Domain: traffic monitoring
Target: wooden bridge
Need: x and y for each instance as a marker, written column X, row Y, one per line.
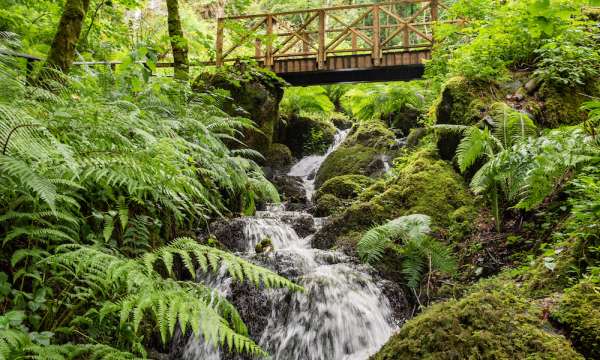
column 367, row 42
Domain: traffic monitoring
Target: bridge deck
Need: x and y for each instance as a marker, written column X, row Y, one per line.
column 372, row 42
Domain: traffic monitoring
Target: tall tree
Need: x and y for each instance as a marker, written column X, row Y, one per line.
column 62, row 52
column 179, row 44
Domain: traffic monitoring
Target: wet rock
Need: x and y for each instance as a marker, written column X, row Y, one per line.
column 365, row 143
column 279, row 157
column 531, row 86
column 291, row 189
column 230, row 233
column 341, row 121
column 302, row 223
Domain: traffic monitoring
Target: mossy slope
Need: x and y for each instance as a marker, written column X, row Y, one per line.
column 487, row 324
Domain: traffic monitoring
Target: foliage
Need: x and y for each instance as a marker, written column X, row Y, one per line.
column 508, row 127
column 380, row 101
column 499, row 37
column 310, row 100
column 421, row 253
column 569, row 59
column 107, row 168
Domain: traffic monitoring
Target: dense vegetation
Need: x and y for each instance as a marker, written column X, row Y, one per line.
column 490, row 208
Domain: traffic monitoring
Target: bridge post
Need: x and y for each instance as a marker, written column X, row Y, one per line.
column 219, row 47
column 321, row 54
column 257, row 49
column 269, row 48
column 376, row 55
column 434, row 9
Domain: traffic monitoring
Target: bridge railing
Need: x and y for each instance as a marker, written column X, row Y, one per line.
column 374, row 29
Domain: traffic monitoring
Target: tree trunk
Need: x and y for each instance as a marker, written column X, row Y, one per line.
column 179, row 44
column 62, row 52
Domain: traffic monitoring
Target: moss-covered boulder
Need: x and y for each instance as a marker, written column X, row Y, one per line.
column 557, row 107
column 345, row 186
column 423, row 184
column 278, row 156
column 328, row 205
column 252, row 92
column 306, row 135
column 579, row 314
column 337, row 193
column 459, row 104
column 361, row 153
column 492, row 323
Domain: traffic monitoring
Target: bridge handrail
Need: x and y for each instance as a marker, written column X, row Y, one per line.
column 268, row 50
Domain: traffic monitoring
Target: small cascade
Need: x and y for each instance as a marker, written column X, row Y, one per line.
column 341, row 315
column 308, row 166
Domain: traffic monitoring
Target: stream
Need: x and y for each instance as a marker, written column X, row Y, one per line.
column 342, row 315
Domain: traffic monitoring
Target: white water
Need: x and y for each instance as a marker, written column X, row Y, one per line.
column 341, row 315
column 307, row 167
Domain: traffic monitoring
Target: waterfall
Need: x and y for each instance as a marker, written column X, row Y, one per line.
column 341, row 315
column 308, row 166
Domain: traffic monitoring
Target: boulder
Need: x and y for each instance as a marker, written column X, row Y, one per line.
column 278, row 157
column 423, row 184
column 491, row 323
column 579, row 314
column 254, row 93
column 359, row 153
column 305, row 135
column 291, row 189
column 459, row 104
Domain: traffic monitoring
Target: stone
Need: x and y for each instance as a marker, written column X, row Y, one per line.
column 291, row 189
column 305, row 135
column 254, row 93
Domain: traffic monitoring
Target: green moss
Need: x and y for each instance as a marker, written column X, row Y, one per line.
column 561, row 107
column 265, row 245
column 345, row 186
column 279, row 156
column 426, row 185
column 327, row 205
column 306, row 135
column 252, row 92
column 366, row 142
column 346, row 160
column 421, row 184
column 492, row 323
column 579, row 313
column 372, row 134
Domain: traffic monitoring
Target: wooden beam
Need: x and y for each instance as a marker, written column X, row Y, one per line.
column 327, row 9
column 322, row 51
column 219, row 47
column 376, row 55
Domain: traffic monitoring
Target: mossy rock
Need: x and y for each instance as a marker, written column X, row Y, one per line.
column 345, row 186
column 279, row 156
column 341, row 121
column 347, row 160
column 306, row 135
column 360, row 154
column 579, row 314
column 336, row 193
column 486, row 324
column 562, row 106
column 374, row 134
column 254, row 93
column 327, row 205
column 424, row 184
column 459, row 104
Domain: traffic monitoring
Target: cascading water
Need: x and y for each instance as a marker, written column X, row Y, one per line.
column 341, row 315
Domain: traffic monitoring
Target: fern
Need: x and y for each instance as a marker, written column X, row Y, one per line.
column 421, row 253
